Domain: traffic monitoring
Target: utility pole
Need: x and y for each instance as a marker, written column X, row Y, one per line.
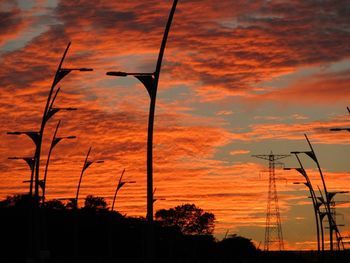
column 273, row 228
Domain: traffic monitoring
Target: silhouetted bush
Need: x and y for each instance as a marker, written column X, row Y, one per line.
column 235, row 246
column 95, row 232
column 191, row 220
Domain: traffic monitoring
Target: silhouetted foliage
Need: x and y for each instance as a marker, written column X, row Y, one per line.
column 236, row 246
column 71, row 203
column 21, row 200
column 95, row 203
column 88, row 236
column 55, row 204
column 190, row 219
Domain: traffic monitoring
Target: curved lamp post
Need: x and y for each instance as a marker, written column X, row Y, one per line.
column 332, row 225
column 49, row 110
column 150, row 81
column 120, row 185
column 31, row 162
column 315, row 203
column 54, row 142
column 86, row 165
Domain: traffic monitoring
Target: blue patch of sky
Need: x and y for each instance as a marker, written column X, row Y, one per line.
column 44, row 19
column 284, row 81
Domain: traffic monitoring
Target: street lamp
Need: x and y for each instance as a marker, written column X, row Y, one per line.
column 50, row 111
column 332, row 225
column 120, row 185
column 315, row 203
column 86, row 165
column 31, row 163
column 54, row 142
column 150, row 81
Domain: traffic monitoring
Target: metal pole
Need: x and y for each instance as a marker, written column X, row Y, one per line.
column 81, row 177
column 150, row 136
column 43, row 123
column 314, row 203
column 117, row 189
column 328, row 210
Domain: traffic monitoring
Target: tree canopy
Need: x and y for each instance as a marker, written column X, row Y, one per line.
column 191, row 220
column 95, row 203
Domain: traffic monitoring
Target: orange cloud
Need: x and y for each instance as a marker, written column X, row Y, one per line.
column 215, row 51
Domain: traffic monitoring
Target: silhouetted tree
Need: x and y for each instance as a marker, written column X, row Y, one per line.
column 95, row 203
column 71, row 203
column 18, row 200
column 55, row 204
column 188, row 218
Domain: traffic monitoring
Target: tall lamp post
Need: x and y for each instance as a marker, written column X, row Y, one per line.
column 54, row 142
column 119, row 186
column 327, row 201
column 150, row 81
column 315, row 203
column 49, row 111
column 86, row 165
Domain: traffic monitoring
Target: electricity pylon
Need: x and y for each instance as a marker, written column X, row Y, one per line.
column 273, row 228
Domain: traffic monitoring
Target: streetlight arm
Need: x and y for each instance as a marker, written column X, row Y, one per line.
column 124, row 74
column 117, row 73
column 78, row 69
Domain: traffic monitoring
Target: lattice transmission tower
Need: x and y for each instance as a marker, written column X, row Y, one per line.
column 273, row 228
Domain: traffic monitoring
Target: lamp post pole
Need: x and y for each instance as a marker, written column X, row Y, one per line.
column 86, row 165
column 150, row 81
column 110, row 232
column 315, row 203
column 119, row 186
column 49, row 111
column 312, row 155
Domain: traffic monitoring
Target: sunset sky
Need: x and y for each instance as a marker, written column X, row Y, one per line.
column 239, row 78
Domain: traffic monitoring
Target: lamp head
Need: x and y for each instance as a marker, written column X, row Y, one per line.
column 117, row 73
column 14, row 133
